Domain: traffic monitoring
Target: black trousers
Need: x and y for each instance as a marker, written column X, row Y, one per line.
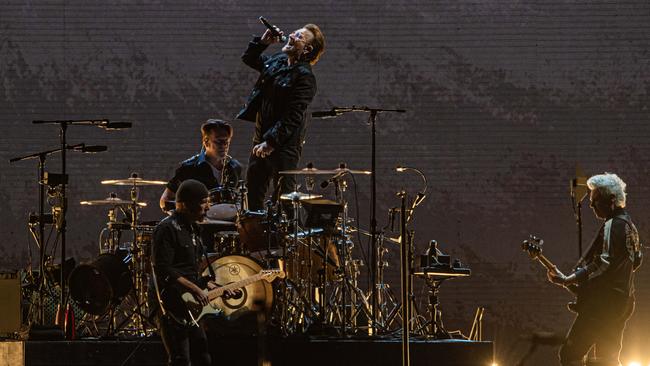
column 185, row 345
column 262, row 171
column 601, row 327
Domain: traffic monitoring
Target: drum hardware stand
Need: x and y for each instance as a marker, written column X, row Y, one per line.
column 388, row 305
column 62, row 229
column 372, row 121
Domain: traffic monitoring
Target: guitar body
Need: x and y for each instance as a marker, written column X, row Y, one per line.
column 185, row 310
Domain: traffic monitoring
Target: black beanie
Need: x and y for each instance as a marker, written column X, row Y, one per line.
column 191, row 191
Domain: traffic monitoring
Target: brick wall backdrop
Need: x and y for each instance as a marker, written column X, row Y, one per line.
column 504, row 98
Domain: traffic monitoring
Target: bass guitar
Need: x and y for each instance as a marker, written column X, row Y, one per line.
column 533, row 247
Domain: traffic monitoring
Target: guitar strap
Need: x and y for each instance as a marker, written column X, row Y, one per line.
column 197, row 234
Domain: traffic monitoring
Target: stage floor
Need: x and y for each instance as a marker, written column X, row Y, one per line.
column 303, row 351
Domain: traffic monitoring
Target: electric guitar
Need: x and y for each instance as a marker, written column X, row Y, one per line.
column 185, row 310
column 533, row 247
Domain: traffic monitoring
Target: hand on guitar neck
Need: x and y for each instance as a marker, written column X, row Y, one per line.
column 533, row 246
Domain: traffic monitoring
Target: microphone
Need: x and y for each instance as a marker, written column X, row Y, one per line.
column 274, row 30
column 325, row 114
column 343, row 170
column 88, row 149
column 419, row 198
column 110, row 126
column 93, row 148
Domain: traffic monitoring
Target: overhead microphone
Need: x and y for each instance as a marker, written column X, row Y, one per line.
column 325, row 114
column 115, row 125
column 274, row 30
column 88, row 148
column 342, row 167
column 93, row 148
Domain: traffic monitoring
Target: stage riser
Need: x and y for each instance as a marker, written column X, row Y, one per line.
column 244, row 351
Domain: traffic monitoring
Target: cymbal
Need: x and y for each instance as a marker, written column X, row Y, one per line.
column 134, row 180
column 112, row 201
column 314, row 171
column 299, row 196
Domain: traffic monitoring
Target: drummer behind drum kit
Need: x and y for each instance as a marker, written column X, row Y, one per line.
column 302, row 242
column 320, row 287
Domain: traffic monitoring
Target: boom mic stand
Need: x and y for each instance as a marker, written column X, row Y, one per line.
column 62, row 228
column 43, row 218
column 372, row 121
column 579, row 191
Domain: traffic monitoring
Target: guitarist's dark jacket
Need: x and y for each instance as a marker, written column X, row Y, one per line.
column 605, row 273
column 177, row 250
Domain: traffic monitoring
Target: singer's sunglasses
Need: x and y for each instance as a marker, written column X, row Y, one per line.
column 220, row 142
column 298, row 36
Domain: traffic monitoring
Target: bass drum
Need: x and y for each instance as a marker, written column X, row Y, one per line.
column 102, row 282
column 235, row 268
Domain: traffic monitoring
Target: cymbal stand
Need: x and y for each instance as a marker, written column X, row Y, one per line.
column 139, row 265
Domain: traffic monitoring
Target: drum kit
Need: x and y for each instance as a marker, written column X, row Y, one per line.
column 305, row 234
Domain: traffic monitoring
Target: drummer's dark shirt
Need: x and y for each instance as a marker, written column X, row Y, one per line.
column 197, row 167
column 177, row 250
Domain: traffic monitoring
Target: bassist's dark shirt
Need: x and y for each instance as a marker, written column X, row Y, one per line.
column 607, row 268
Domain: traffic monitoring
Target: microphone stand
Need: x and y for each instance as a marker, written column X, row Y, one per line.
column 405, row 279
column 576, row 204
column 40, row 241
column 62, row 227
column 372, row 121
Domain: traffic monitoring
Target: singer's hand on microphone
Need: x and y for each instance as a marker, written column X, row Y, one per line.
column 268, row 37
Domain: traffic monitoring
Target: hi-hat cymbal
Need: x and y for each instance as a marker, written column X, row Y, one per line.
column 112, row 201
column 134, row 180
column 314, row 171
column 299, row 196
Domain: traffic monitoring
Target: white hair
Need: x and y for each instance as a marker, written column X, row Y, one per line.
column 609, row 184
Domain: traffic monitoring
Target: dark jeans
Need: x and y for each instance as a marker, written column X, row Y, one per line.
column 601, row 327
column 185, row 345
column 262, row 171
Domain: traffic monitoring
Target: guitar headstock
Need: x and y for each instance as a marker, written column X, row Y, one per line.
column 271, row 274
column 533, row 246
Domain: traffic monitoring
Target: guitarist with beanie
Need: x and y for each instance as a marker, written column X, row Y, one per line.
column 604, row 278
column 177, row 250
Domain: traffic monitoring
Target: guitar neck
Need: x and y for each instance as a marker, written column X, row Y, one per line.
column 213, row 294
column 546, row 262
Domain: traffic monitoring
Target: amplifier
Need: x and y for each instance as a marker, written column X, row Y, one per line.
column 10, row 320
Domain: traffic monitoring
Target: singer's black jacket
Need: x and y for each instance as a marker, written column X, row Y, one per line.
column 278, row 102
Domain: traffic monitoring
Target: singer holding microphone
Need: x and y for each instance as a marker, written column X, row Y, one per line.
column 277, row 105
column 212, row 166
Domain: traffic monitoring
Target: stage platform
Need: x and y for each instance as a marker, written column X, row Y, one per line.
column 244, row 351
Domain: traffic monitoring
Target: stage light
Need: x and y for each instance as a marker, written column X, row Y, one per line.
column 634, row 364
